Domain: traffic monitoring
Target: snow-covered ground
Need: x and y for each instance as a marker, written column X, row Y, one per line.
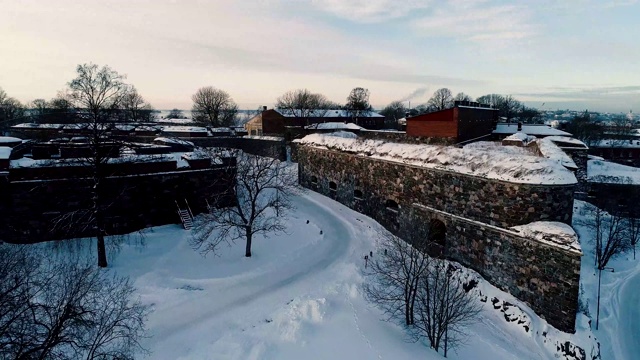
column 602, row 171
column 299, row 297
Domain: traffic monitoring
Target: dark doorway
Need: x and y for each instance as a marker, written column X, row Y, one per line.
column 437, row 238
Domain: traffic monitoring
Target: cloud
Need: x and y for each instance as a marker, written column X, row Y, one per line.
column 477, row 21
column 371, row 11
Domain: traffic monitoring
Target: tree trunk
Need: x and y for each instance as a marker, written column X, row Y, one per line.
column 102, row 252
column 247, row 251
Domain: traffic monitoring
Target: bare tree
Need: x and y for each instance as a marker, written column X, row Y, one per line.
column 213, row 107
column 441, row 99
column 495, row 100
column 609, row 236
column 394, row 275
column 462, row 97
column 585, row 129
column 135, row 107
column 11, row 110
column 394, row 111
column 262, row 196
column 358, row 104
column 39, row 109
column 97, row 92
column 65, row 310
column 444, row 308
column 509, row 108
column 632, row 225
column 175, row 114
column 302, row 103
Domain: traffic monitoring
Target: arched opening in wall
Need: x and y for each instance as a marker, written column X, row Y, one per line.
column 437, row 238
column 357, row 194
column 333, row 187
column 392, row 205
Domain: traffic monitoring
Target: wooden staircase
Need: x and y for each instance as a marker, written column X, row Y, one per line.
column 186, row 216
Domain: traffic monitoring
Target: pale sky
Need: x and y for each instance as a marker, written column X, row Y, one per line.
column 579, row 54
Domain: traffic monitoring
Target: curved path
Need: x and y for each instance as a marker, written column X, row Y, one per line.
column 250, row 297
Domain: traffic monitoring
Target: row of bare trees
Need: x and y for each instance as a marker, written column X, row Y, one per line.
column 62, row 309
column 424, row 292
column 303, row 103
column 508, row 107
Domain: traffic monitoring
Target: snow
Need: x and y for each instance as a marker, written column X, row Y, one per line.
column 184, row 129
column 5, row 152
column 329, row 113
column 529, row 129
column 344, row 134
column 550, row 231
column 38, row 126
column 520, row 136
column 567, row 140
column 491, row 164
column 601, row 171
column 619, row 312
column 612, row 143
column 334, row 126
column 9, row 139
column 551, row 151
column 299, row 297
column 167, row 140
column 262, row 137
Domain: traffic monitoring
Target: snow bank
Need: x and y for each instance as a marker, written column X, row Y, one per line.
column 167, row 140
column 553, row 232
column 551, row 151
column 496, row 165
column 520, row 136
column 5, row 152
column 567, row 140
column 344, row 134
column 9, row 139
column 260, row 137
column 334, row 126
column 600, row 171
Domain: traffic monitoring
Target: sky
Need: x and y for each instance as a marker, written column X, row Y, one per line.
column 577, row 54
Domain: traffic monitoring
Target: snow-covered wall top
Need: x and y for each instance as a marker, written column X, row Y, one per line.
column 495, row 165
column 551, row 151
column 550, row 232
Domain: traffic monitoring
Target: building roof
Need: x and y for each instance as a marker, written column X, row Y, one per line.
column 333, row 126
column 529, row 129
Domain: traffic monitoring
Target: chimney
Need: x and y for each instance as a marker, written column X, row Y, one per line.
column 264, row 108
column 519, row 125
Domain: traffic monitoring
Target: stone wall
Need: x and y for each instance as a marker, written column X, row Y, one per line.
column 492, row 202
column 37, row 210
column 544, row 276
column 475, row 211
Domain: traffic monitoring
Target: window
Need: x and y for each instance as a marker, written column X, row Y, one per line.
column 333, row 186
column 314, row 180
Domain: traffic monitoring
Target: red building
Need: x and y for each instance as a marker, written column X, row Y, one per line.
column 465, row 121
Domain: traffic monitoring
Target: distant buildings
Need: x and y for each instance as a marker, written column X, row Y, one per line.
column 280, row 122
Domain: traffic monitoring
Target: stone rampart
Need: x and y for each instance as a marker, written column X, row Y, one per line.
column 476, row 212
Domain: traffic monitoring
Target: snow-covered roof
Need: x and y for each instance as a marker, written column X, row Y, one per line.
column 221, row 129
column 147, row 128
column 330, row 113
column 551, row 151
column 520, row 136
column 489, row 164
column 261, row 137
column 567, row 140
column 184, row 129
column 38, row 126
column 601, row 171
column 553, row 232
column 529, row 129
column 5, row 152
column 167, row 140
column 334, row 126
column 125, row 127
column 9, row 139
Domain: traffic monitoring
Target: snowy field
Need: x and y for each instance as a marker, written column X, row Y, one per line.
column 299, row 297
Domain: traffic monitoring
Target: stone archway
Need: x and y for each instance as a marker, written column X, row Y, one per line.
column 437, row 238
